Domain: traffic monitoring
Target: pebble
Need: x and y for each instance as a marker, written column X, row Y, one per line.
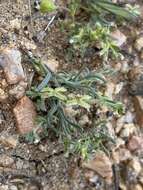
column 118, row 87
column 129, row 117
column 100, row 164
column 4, row 83
column 94, row 179
column 4, row 187
column 110, row 87
column 128, row 129
column 123, row 186
column 84, row 120
column 19, row 90
column 10, row 61
column 70, row 111
column 135, row 143
column 139, row 43
column 52, row 63
column 137, row 187
column 15, row 24
column 119, row 142
column 6, row 161
column 25, row 115
column 119, row 37
column 3, row 95
column 13, row 187
column 120, row 124
column 29, row 45
column 121, row 155
column 9, row 141
column 135, row 165
column 125, row 67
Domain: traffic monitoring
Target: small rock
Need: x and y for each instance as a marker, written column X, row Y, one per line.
column 70, row 111
column 110, row 87
column 117, row 66
column 135, row 76
column 6, row 161
column 15, row 24
column 121, row 155
column 42, row 148
column 137, row 187
column 53, row 64
column 118, row 87
column 127, row 130
column 19, row 90
column 84, row 120
column 135, row 73
column 119, row 142
column 139, row 43
column 138, row 104
column 9, row 141
column 89, row 174
column 130, row 174
column 3, row 95
column 129, row 117
column 125, row 67
column 111, row 130
column 29, row 45
column 102, row 165
column 4, row 187
column 136, row 61
column 135, row 165
column 25, row 115
column 10, row 61
column 118, row 37
column 13, row 187
column 120, row 124
column 123, row 186
column 94, row 179
column 34, row 187
column 4, row 83
column 135, row 143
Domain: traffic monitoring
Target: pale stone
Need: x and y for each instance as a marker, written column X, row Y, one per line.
column 118, row 37
column 10, row 61
column 102, row 165
column 139, row 43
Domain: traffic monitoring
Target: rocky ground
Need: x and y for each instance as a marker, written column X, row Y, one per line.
column 44, row 166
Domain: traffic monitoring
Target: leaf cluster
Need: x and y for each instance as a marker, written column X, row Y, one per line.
column 92, row 22
column 76, row 90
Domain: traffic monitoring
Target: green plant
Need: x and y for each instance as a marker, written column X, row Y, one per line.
column 89, row 141
column 91, row 37
column 97, row 10
column 133, row 9
column 91, row 24
column 47, row 6
column 77, row 90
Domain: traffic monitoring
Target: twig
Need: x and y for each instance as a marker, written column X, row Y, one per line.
column 50, row 22
column 42, row 34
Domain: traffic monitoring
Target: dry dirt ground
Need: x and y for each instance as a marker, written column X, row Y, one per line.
column 44, row 166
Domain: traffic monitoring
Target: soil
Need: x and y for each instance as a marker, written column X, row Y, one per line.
column 44, row 166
